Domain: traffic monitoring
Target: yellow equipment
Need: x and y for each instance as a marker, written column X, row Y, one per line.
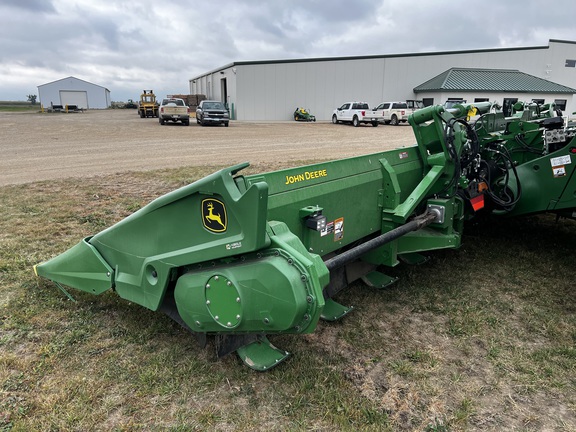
column 148, row 106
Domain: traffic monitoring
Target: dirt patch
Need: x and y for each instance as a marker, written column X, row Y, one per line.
column 52, row 146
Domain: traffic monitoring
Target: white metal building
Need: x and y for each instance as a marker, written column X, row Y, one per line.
column 272, row 90
column 74, row 91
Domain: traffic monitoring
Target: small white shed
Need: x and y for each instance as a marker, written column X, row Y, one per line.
column 74, row 91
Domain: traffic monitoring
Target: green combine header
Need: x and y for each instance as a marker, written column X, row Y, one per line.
column 243, row 257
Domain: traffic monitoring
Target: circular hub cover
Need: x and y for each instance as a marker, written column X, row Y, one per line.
column 223, row 301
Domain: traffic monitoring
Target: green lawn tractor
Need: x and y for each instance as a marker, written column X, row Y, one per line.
column 302, row 114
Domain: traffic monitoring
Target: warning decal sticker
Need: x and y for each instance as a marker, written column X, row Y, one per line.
column 339, row 229
column 560, row 161
column 329, row 229
column 559, row 171
column 559, row 165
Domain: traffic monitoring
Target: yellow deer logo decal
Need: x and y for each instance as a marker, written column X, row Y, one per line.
column 214, row 215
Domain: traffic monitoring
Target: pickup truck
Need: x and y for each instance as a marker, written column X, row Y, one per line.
column 174, row 110
column 212, row 112
column 356, row 113
column 394, row 112
column 414, row 105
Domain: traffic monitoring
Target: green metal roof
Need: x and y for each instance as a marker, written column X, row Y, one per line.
column 492, row 80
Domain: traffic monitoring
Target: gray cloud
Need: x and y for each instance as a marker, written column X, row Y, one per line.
column 129, row 45
column 35, row 6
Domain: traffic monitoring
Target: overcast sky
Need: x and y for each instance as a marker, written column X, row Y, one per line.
column 130, row 45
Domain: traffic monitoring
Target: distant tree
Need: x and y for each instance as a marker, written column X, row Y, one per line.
column 32, row 99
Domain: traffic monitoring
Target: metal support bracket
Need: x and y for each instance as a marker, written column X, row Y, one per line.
column 261, row 355
column 333, row 311
column 378, row 280
column 413, row 258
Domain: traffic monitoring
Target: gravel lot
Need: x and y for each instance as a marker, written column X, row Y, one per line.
column 52, row 146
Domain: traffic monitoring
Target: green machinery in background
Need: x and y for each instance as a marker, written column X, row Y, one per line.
column 302, row 114
column 244, row 257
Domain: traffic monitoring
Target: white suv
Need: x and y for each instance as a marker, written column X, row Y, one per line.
column 393, row 112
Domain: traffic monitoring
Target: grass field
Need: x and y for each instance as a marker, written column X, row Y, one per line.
column 18, row 106
column 480, row 338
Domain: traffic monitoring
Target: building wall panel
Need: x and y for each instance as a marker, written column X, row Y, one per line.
column 272, row 90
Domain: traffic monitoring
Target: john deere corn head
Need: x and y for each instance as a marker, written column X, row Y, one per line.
column 243, row 257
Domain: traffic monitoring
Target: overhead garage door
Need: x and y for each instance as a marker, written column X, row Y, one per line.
column 78, row 98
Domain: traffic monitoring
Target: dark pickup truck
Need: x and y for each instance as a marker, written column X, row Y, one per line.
column 212, row 112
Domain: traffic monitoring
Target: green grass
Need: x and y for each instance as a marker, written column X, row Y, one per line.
column 480, row 338
column 29, row 108
column 18, row 106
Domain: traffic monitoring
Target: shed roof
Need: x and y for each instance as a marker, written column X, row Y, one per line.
column 493, row 80
column 74, row 79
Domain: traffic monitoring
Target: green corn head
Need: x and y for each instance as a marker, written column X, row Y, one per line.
column 244, row 257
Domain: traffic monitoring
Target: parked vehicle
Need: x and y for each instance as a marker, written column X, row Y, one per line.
column 212, row 112
column 393, row 113
column 414, row 105
column 356, row 113
column 450, row 103
column 131, row 104
column 302, row 114
column 174, row 110
column 148, row 106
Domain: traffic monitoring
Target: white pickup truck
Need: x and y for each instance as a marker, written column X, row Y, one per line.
column 174, row 109
column 356, row 113
column 394, row 112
